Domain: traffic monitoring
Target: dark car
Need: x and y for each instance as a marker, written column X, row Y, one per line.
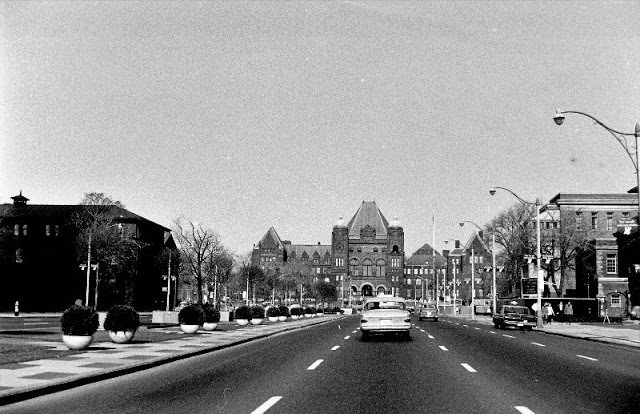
column 516, row 316
column 428, row 311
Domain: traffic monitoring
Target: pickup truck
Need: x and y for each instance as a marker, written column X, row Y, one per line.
column 516, row 316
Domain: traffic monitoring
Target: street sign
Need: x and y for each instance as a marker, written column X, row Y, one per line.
column 529, row 287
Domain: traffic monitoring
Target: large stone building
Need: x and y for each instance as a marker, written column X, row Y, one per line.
column 365, row 257
column 42, row 268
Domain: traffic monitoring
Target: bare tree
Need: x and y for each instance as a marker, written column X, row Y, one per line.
column 198, row 245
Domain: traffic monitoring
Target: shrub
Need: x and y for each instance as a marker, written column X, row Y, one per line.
column 242, row 312
column 284, row 311
column 211, row 314
column 296, row 311
column 308, row 311
column 319, row 310
column 257, row 312
column 122, row 318
column 191, row 314
column 79, row 320
column 273, row 312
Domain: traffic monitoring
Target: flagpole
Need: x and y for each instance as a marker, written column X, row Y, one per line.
column 433, row 251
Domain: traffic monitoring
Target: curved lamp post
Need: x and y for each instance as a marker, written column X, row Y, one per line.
column 619, row 136
column 539, row 284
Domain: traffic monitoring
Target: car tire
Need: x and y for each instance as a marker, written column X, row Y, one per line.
column 365, row 336
column 496, row 325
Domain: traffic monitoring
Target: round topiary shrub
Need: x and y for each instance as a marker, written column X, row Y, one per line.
column 242, row 312
column 211, row 314
column 320, row 311
column 79, row 320
column 308, row 311
column 273, row 312
column 257, row 312
column 296, row 311
column 191, row 314
column 284, row 311
column 122, row 318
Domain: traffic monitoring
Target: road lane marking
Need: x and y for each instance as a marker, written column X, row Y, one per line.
column 508, row 336
column 586, row 357
column 430, row 336
column 492, row 332
column 354, row 331
column 523, row 410
column 468, row 368
column 315, row 365
column 347, row 337
column 266, row 405
column 335, row 348
column 444, row 348
column 421, row 330
column 476, row 328
column 36, row 323
column 537, row 344
column 466, row 326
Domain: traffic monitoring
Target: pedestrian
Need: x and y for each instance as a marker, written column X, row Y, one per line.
column 569, row 312
column 544, row 313
column 561, row 311
column 549, row 313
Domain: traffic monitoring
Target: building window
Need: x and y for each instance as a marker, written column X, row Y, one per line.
column 625, row 215
column 366, row 267
column 579, row 220
column 359, row 249
column 24, row 229
column 353, row 266
column 612, row 264
column 47, row 230
column 317, row 270
column 16, row 230
column 380, row 264
column 339, row 261
column 610, row 221
column 615, row 301
column 395, row 262
column 395, row 248
column 594, row 221
column 19, row 257
column 375, row 250
column 316, row 260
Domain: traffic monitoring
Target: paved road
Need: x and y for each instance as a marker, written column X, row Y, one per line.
column 451, row 366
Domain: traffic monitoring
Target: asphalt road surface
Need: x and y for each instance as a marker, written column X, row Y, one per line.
column 447, row 367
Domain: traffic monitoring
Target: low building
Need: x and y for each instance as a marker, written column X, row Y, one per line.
column 42, row 267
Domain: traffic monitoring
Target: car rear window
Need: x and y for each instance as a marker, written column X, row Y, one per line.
column 384, row 305
column 519, row 310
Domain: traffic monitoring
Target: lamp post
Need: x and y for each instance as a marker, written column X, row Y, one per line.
column 454, row 280
column 473, row 272
column 539, row 284
column 619, row 136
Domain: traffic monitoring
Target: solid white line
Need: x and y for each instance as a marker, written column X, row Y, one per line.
column 586, row 357
column 347, row 337
column 535, row 343
column 443, row 348
column 266, row 405
column 335, row 348
column 36, row 323
column 315, row 365
column 431, row 336
column 468, row 368
column 508, row 336
column 523, row 409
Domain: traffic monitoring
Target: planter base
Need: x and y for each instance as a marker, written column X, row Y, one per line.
column 121, row 337
column 77, row 341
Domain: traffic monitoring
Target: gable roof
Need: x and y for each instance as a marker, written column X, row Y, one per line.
column 424, row 256
column 271, row 239
column 475, row 236
column 368, row 214
column 298, row 250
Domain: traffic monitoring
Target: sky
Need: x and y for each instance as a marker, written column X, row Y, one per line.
column 245, row 115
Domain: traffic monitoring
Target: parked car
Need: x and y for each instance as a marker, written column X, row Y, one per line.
column 429, row 312
column 385, row 315
column 516, row 316
column 635, row 312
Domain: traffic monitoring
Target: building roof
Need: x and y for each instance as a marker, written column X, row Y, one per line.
column 271, row 239
column 630, row 199
column 368, row 215
column 424, row 256
column 322, row 250
column 475, row 238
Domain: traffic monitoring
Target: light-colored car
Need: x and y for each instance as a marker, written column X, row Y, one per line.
column 385, row 315
column 429, row 312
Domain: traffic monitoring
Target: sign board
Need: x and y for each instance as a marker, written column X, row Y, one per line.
column 529, row 287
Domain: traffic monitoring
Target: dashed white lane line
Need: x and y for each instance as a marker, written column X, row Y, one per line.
column 421, row 330
column 537, row 344
column 468, row 368
column 476, row 328
column 523, row 410
column 354, row 331
column 586, row 357
column 444, row 348
column 508, row 336
column 315, row 365
column 430, row 336
column 492, row 332
column 466, row 326
column 347, row 337
column 266, row 405
column 335, row 348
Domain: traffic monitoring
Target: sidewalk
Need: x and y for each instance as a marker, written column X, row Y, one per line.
column 627, row 333
column 24, row 380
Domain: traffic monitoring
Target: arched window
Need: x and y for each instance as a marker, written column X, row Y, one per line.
column 395, row 248
column 366, row 267
column 353, row 267
column 380, row 267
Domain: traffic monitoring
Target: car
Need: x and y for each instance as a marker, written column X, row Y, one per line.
column 428, row 311
column 516, row 316
column 385, row 315
column 635, row 312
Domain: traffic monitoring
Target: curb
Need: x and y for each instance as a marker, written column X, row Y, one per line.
column 22, row 395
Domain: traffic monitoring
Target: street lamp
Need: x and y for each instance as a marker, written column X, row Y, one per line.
column 473, row 272
column 454, row 279
column 539, row 285
column 619, row 136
